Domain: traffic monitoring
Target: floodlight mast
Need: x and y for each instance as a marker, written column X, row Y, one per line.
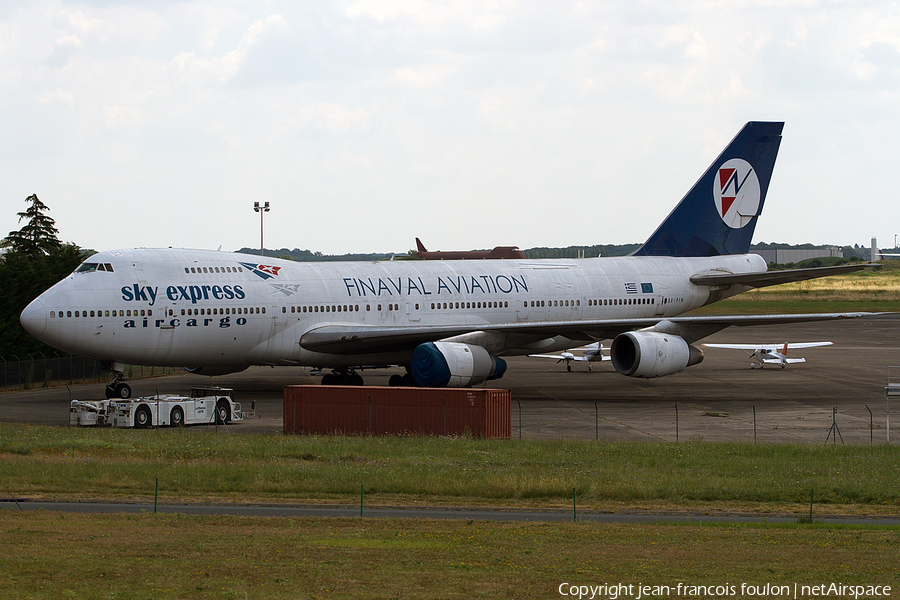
column 261, row 210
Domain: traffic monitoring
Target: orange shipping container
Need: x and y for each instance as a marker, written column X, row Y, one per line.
column 322, row 409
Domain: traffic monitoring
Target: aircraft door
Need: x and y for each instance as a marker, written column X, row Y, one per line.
column 522, row 309
column 166, row 328
column 414, row 310
column 660, row 306
column 139, row 272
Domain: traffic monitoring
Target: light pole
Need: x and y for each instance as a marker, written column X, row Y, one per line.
column 261, row 210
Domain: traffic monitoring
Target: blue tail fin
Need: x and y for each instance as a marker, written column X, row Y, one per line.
column 719, row 214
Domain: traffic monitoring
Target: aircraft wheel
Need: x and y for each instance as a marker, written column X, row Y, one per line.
column 752, row 366
column 123, row 391
column 782, row 365
column 569, row 368
column 143, row 418
column 329, row 379
column 176, row 417
column 356, row 379
column 402, row 381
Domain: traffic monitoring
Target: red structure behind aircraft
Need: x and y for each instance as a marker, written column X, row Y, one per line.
column 497, row 252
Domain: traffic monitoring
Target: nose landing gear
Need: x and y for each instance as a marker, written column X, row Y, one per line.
column 115, row 388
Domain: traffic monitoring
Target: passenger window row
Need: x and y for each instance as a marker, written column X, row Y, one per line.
column 552, row 303
column 391, row 307
column 213, row 270
column 148, row 312
column 620, row 301
column 324, row 308
column 460, row 305
column 193, row 312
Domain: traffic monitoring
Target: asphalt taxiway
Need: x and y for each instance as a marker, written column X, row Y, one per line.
column 838, row 392
column 401, row 512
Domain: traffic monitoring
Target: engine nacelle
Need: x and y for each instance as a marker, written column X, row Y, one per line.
column 652, row 354
column 450, row 364
column 215, row 371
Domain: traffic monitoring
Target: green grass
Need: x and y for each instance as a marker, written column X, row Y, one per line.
column 46, row 555
column 50, row 462
column 740, row 305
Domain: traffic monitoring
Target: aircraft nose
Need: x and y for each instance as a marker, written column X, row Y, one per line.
column 34, row 318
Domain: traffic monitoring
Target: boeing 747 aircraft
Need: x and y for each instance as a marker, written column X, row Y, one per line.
column 448, row 322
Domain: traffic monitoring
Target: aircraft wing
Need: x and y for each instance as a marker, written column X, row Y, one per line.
column 741, row 346
column 758, row 280
column 604, row 357
column 338, row 338
column 571, row 356
column 769, row 347
column 809, row 345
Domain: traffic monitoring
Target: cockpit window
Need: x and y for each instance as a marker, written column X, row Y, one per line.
column 91, row 267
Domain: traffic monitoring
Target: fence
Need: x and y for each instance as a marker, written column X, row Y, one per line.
column 660, row 421
column 30, row 371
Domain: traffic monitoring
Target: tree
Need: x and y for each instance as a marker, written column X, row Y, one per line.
column 35, row 261
column 38, row 236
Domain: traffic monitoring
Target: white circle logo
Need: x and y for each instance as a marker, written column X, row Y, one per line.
column 736, row 192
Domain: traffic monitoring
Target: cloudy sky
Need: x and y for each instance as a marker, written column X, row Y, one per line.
column 366, row 123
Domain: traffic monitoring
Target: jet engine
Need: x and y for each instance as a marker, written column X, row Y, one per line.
column 652, row 354
column 450, row 364
column 215, row 371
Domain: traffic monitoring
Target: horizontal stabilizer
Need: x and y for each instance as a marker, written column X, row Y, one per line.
column 758, row 280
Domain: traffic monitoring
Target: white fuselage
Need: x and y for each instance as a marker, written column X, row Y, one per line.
column 193, row 307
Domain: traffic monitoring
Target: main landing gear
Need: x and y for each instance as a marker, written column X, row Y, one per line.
column 402, row 381
column 116, row 389
column 342, row 377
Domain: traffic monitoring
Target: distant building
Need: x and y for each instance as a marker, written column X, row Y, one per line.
column 786, row 256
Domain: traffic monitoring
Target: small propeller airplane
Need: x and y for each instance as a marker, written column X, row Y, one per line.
column 770, row 354
column 590, row 353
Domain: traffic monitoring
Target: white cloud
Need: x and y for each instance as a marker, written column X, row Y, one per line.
column 484, row 16
column 482, row 119
column 189, row 67
column 331, row 118
column 56, row 96
column 425, row 76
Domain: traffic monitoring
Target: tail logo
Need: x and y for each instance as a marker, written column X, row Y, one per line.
column 736, row 192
